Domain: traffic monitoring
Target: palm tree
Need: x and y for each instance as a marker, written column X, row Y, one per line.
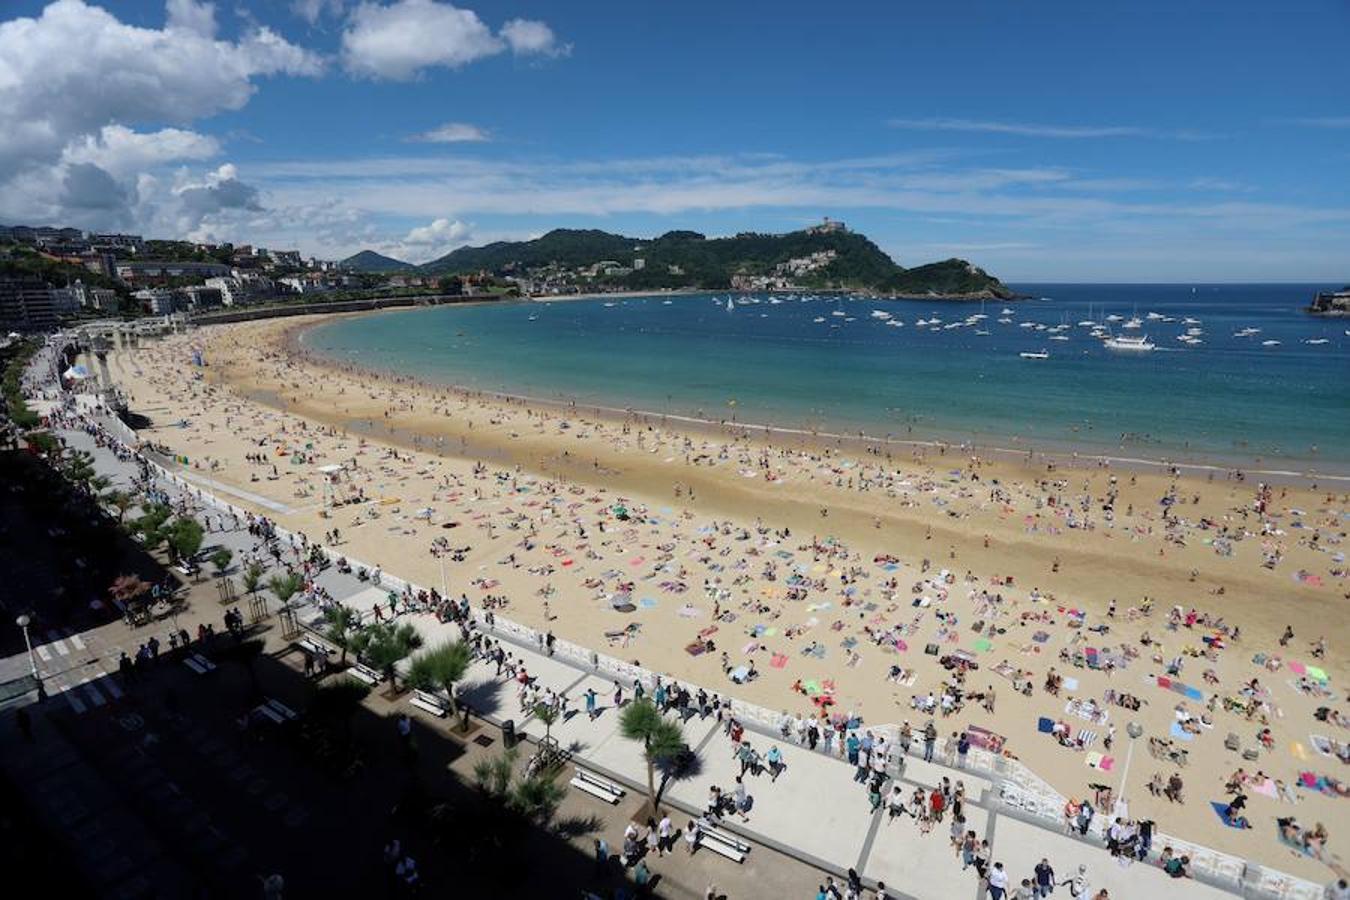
column 343, row 622
column 120, row 501
column 286, row 586
column 536, row 797
column 661, row 738
column 253, row 574
column 547, row 714
column 440, row 667
column 382, row 645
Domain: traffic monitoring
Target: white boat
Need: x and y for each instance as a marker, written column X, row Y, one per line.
column 818, row 319
column 1190, row 321
column 1005, row 312
column 730, row 305
column 1009, row 322
column 1135, row 322
column 1317, row 342
column 1027, row 354
column 880, row 314
column 1059, row 337
column 839, row 312
column 1129, row 342
column 981, row 332
column 1114, row 318
column 1247, row 332
column 1154, row 316
column 1270, row 343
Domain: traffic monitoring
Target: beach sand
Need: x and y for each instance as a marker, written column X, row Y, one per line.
column 809, row 545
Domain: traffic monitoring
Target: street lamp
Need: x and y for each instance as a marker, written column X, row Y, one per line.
column 23, row 622
column 439, row 548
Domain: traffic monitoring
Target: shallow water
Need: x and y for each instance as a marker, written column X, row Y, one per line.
column 1229, row 399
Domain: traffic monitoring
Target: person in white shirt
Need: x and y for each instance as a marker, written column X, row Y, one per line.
column 998, row 882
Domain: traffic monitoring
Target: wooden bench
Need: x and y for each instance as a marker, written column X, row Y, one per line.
column 199, row 664
column 364, row 673
column 430, row 703
column 598, row 787
column 723, row 843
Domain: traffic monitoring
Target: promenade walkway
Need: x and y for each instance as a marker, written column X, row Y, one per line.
column 815, row 811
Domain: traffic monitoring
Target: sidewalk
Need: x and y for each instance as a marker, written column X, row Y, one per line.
column 815, row 812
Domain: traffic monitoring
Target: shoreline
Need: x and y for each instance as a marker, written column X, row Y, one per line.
column 1206, row 466
column 533, row 498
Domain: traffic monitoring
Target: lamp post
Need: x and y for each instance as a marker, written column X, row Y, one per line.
column 439, row 548
column 23, row 622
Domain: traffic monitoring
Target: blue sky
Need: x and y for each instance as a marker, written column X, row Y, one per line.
column 1043, row 141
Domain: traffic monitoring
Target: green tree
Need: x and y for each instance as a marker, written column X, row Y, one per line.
column 285, row 587
column 535, row 797
column 185, row 538
column 383, row 644
column 439, row 668
column 548, row 715
column 120, row 501
column 150, row 525
column 220, row 559
column 661, row 738
column 342, row 622
column 253, row 574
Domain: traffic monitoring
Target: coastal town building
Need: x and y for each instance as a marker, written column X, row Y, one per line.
column 26, row 305
column 158, row 271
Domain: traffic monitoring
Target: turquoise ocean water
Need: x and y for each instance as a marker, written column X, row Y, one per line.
column 799, row 363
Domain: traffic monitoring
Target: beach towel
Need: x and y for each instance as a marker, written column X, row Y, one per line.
column 1266, row 788
column 1180, row 733
column 647, row 603
column 1164, row 681
column 1086, row 738
column 1044, row 725
column 1220, row 810
column 696, row 648
column 1070, row 684
column 984, row 645
column 1297, row 667
column 1297, row 749
column 812, row 688
column 778, row 661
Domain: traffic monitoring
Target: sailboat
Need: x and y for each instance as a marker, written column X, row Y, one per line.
column 730, row 305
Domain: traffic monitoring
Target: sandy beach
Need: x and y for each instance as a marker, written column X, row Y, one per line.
column 827, row 566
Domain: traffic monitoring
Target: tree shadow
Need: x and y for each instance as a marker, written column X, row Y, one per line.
column 578, row 826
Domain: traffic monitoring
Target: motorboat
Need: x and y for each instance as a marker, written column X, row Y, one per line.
column 1129, row 342
column 1037, row 354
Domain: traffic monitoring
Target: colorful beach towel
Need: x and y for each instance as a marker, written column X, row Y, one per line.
column 1180, row 733
column 1044, row 725
column 1221, row 810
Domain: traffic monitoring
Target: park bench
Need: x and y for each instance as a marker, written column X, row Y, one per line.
column 199, row 664
column 275, row 711
column 315, row 645
column 723, row 843
column 364, row 673
column 430, row 703
column 596, row 786
column 285, row 711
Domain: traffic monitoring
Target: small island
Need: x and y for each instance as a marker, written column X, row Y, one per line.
column 825, row 257
column 1331, row 303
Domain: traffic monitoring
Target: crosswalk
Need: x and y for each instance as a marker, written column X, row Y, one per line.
column 80, row 675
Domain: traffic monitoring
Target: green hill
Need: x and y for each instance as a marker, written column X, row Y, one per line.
column 687, row 259
column 370, row 261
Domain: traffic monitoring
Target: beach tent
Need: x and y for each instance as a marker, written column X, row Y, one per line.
column 76, row 372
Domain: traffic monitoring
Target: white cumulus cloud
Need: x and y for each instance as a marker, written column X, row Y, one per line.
column 453, row 133
column 78, row 86
column 398, row 41
column 529, row 37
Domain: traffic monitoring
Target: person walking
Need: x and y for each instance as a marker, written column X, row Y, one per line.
column 998, row 882
column 591, row 711
column 1045, row 878
column 962, row 748
column 929, row 739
